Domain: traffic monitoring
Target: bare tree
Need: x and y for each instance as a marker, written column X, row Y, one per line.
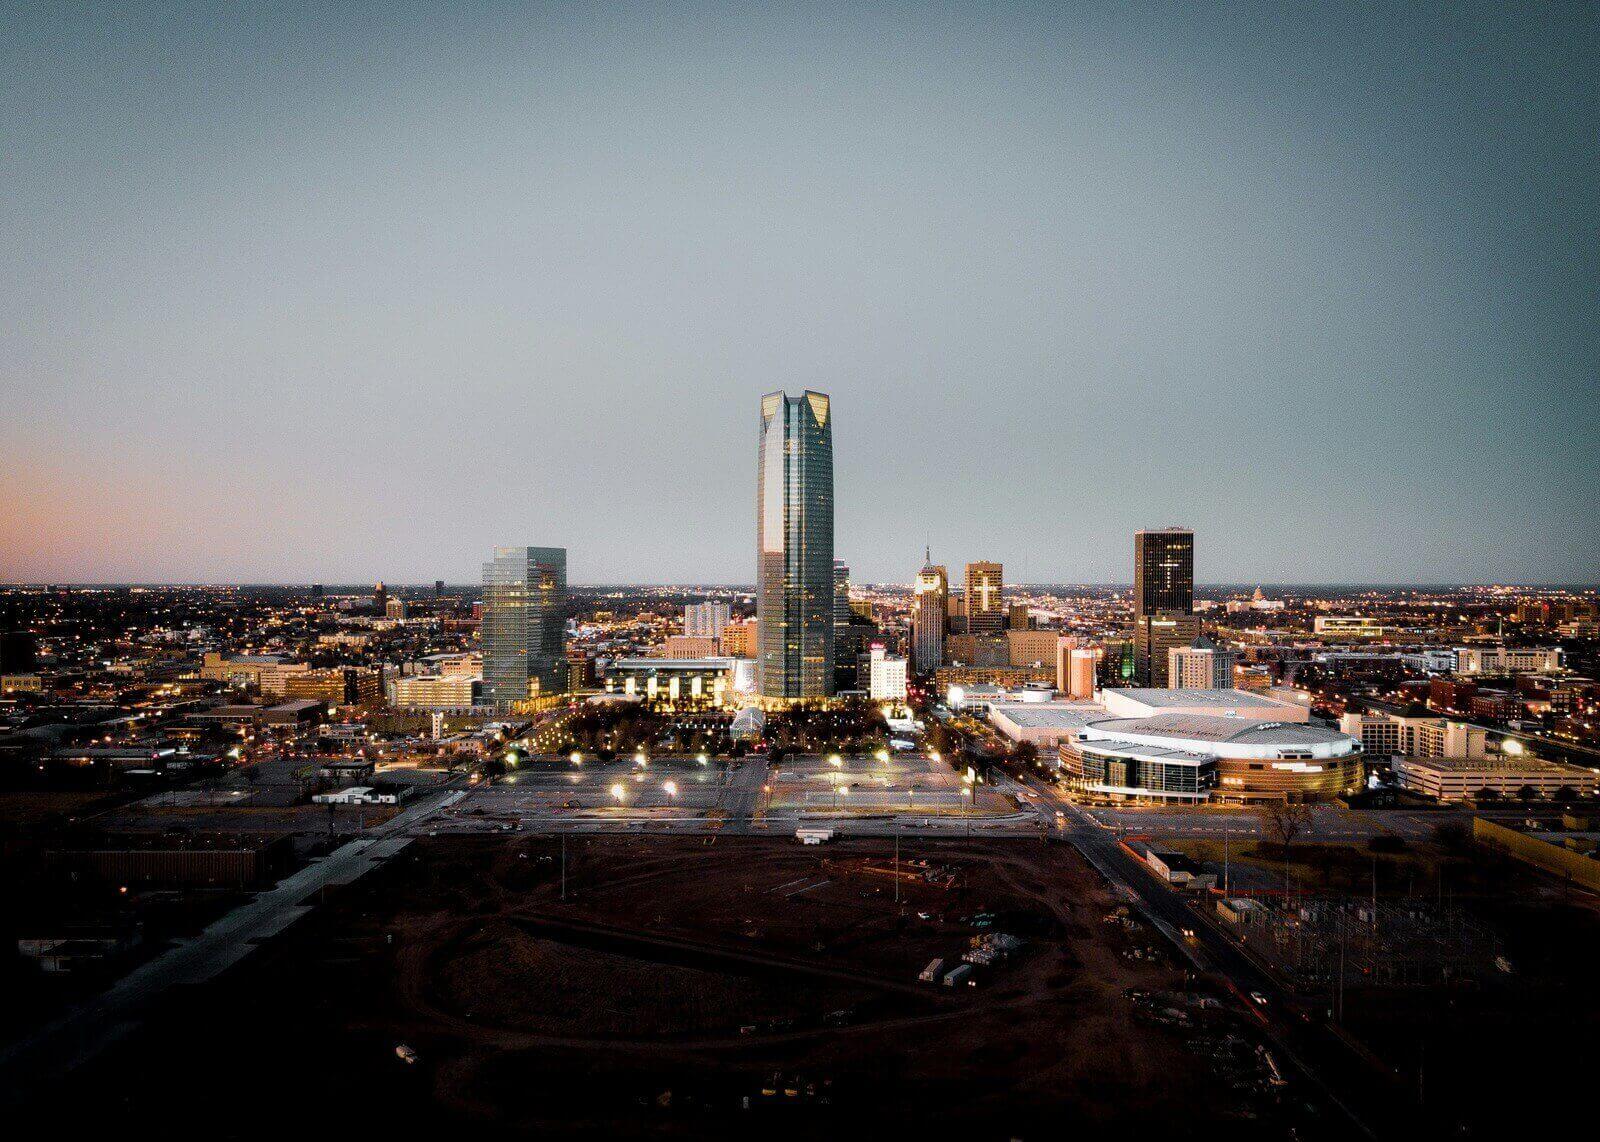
column 1284, row 821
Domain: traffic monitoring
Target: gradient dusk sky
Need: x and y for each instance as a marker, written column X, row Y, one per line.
column 335, row 293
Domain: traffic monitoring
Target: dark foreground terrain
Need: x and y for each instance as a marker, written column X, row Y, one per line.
column 691, row 987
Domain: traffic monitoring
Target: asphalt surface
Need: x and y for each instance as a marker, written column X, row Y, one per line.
column 87, row 1030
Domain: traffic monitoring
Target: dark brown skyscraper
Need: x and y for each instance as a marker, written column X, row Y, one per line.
column 1163, row 599
column 1163, row 571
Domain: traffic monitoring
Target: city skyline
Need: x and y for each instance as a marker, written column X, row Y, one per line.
column 273, row 281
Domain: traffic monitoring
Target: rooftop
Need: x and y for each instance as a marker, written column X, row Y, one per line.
column 1216, row 728
column 1047, row 716
column 1491, row 765
column 1173, row 698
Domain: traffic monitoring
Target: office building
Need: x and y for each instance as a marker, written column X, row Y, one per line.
column 380, row 598
column 1386, row 733
column 706, row 620
column 739, row 639
column 887, row 677
column 524, row 628
column 1202, row 665
column 930, row 597
column 688, row 646
column 986, row 614
column 1076, row 669
column 337, row 686
column 1508, row 659
column 794, row 525
column 434, row 692
column 1163, row 571
column 1031, row 647
column 395, row 608
column 841, row 594
column 1154, row 637
column 1163, row 599
column 1019, row 617
column 438, row 588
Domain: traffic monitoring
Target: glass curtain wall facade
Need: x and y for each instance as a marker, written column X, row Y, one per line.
column 794, row 560
column 524, row 628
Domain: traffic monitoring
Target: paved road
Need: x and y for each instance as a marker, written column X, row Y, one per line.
column 88, row 1029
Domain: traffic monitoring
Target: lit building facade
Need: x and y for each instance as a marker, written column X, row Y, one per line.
column 1163, row 570
column 887, row 677
column 986, row 614
column 1202, row 665
column 794, row 528
column 1163, row 599
column 930, row 597
column 524, row 627
column 705, row 620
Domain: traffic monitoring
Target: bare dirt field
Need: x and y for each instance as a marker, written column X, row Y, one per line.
column 685, row 988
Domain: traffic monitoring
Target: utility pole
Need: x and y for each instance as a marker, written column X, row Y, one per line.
column 897, row 866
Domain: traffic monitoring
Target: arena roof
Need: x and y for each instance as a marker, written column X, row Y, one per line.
column 1171, row 699
column 1217, row 728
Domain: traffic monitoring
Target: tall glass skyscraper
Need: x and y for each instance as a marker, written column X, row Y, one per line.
column 524, row 628
column 794, row 547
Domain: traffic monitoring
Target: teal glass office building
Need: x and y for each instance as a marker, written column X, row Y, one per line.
column 794, row 556
column 524, row 631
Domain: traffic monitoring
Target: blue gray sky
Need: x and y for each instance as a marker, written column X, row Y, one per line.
column 339, row 293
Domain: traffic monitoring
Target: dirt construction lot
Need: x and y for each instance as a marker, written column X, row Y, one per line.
column 686, row 987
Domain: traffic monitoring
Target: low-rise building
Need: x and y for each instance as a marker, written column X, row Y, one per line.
column 1043, row 724
column 435, row 692
column 363, row 795
column 1508, row 659
column 712, row 682
column 689, row 646
column 1456, row 779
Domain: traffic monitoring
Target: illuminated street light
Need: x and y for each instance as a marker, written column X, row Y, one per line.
column 617, row 791
column 577, row 758
column 883, row 756
column 835, row 760
column 933, row 755
column 702, row 759
column 670, row 788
